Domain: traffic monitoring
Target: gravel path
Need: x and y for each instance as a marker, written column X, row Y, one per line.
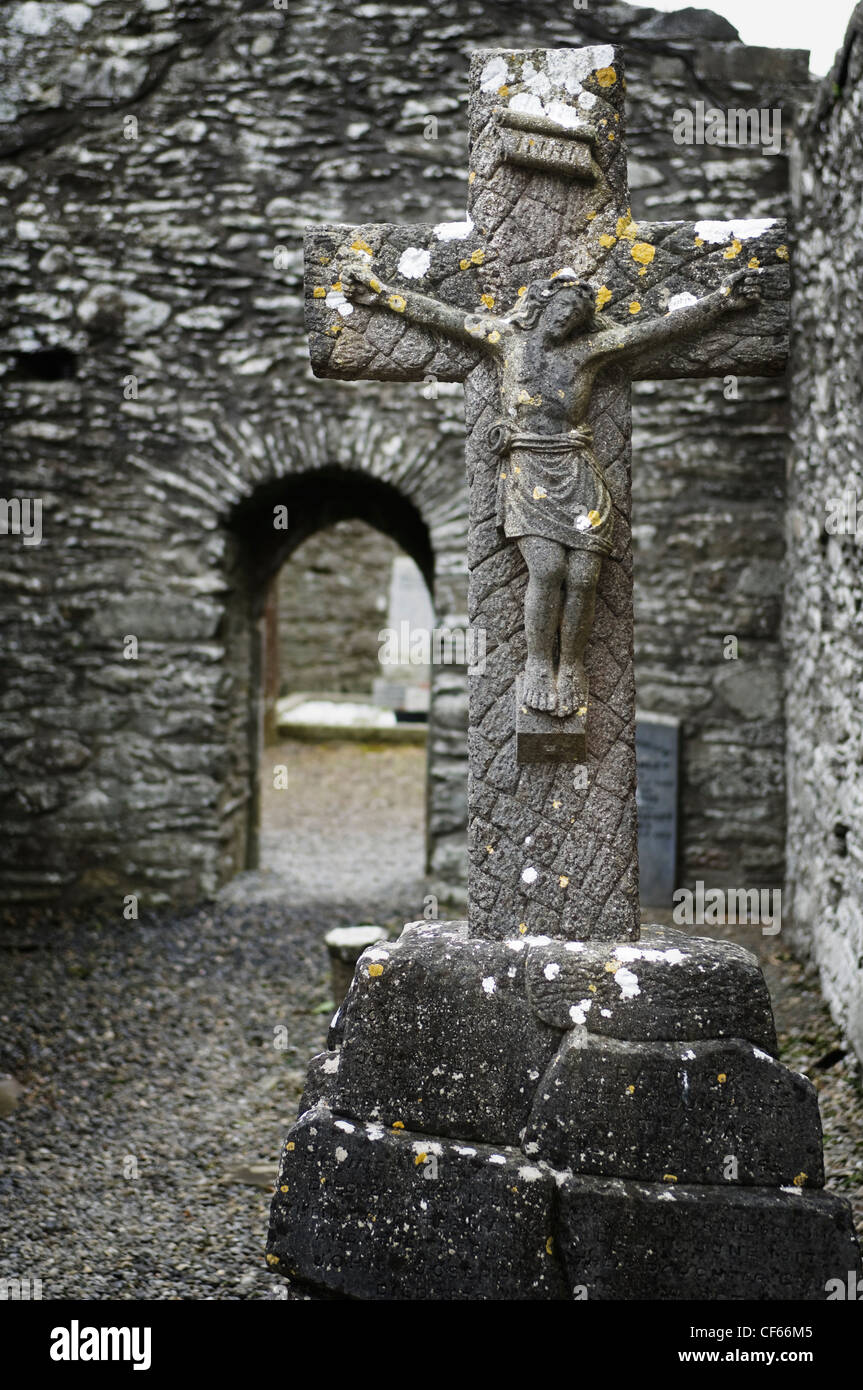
column 147, row 1052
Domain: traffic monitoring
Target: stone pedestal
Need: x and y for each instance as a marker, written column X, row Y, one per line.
column 538, row 1119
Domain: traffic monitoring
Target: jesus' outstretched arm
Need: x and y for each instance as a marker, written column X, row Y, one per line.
column 480, row 330
column 741, row 291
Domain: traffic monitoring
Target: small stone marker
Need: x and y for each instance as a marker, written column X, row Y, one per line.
column 345, row 946
column 657, row 739
column 536, row 1104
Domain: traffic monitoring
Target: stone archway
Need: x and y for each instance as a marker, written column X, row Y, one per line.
column 310, row 500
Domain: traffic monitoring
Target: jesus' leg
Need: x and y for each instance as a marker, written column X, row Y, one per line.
column 546, row 569
column 582, row 574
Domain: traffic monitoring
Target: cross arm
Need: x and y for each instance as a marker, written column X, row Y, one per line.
column 430, row 282
column 669, row 268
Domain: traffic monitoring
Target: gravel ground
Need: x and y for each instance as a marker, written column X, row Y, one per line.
column 154, row 1093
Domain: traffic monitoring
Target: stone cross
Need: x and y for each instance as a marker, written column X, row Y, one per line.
column 545, row 302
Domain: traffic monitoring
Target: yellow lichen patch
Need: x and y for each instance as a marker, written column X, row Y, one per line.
column 562, row 395
column 494, row 336
column 503, row 475
column 471, row 176
column 397, row 303
column 337, row 285
column 522, row 927
column 324, row 260
column 594, row 518
column 800, row 1179
column 539, row 493
column 610, row 135
column 643, row 253
column 336, row 329
column 464, row 265
column 556, row 805
column 603, row 121
column 733, row 251
column 524, row 398
column 397, row 1124
column 627, row 228
column 606, row 240
column 514, row 1189
column 360, row 245
column 503, row 91
column 669, row 1177
column 722, row 1078
column 563, row 881
column 323, row 1180
column 284, row 1187
column 489, row 849
column 419, row 1158
column 590, row 216
column 782, row 253
column 592, row 988
column 612, row 966
column 617, row 117
column 516, row 469
column 376, row 971
column 272, row 1259
column 375, row 284
column 635, row 307
column 522, row 290
column 630, row 1090
column 319, row 292
column 290, row 1146
column 754, row 263
column 477, row 256
column 549, row 1246
column 606, row 77
column 581, row 711
column 487, row 300
column 603, row 295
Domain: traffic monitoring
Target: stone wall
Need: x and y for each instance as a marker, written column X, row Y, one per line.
column 824, row 589
column 159, row 164
column 332, row 603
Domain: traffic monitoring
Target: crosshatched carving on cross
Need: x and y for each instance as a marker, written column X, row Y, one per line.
column 546, row 301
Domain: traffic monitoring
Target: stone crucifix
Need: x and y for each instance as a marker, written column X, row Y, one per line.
column 546, row 301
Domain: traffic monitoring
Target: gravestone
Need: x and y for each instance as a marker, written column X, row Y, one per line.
column 542, row 1102
column 657, row 740
column 405, row 684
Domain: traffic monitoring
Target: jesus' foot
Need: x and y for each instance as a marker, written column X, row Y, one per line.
column 539, row 691
column 571, row 688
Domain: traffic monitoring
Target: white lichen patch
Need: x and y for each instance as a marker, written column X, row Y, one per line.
column 552, row 970
column 532, row 1147
column 578, row 1012
column 529, row 875
column 689, row 1055
column 489, row 984
column 338, row 301
column 345, row 1125
column 575, row 946
column 628, row 982
column 331, row 1066
column 464, row 1152
column 431, row 1146
column 341, row 1155
column 529, row 1173
column 453, row 231
column 374, row 1131
column 494, row 75
column 743, row 229
column 762, row 1056
column 414, row 262
column 629, row 953
column 496, row 1158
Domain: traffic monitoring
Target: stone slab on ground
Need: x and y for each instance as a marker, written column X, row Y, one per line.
column 378, row 1213
column 695, row 1112
column 627, row 1241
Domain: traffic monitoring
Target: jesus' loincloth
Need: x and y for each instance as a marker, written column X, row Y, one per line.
column 550, row 485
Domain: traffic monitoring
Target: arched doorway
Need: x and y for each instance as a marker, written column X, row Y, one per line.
column 264, row 534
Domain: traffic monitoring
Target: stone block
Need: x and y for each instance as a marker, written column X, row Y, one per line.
column 629, row 1240
column 377, row 1213
column 668, row 986
column 440, row 1037
column 691, row 1112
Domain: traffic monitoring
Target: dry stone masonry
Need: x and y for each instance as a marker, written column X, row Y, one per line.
column 159, row 167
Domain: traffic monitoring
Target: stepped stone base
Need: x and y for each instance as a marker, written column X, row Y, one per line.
column 533, row 1119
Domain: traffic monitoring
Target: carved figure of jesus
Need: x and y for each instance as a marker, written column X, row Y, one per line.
column 553, row 499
